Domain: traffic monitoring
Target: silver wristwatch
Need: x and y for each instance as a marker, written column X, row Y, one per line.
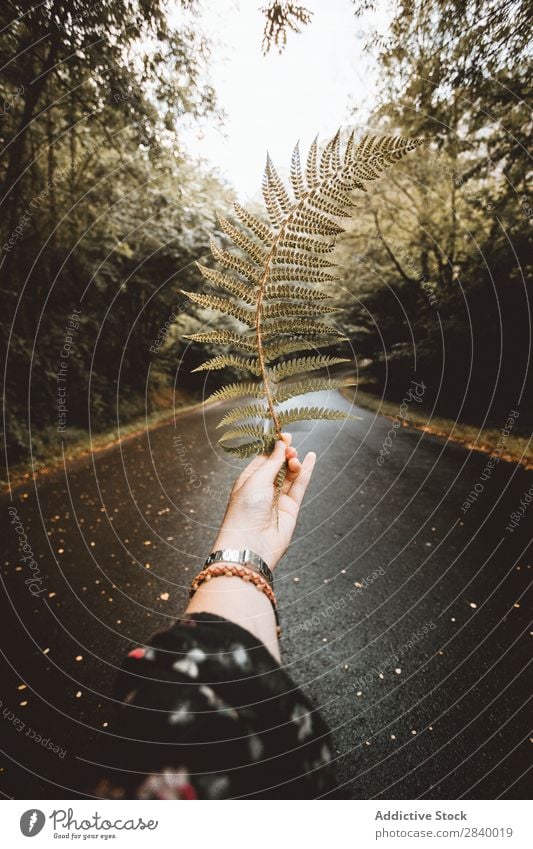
column 245, row 558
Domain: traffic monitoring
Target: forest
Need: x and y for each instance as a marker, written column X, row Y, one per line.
column 105, row 211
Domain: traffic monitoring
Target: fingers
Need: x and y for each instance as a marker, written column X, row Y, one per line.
column 269, row 466
column 272, row 465
column 301, row 481
column 291, row 455
column 293, row 470
column 293, row 463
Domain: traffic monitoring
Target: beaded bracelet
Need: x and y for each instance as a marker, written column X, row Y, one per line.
column 247, row 575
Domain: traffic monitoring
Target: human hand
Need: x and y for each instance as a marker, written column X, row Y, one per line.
column 250, row 520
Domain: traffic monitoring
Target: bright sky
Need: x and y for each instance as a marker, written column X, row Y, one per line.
column 272, row 101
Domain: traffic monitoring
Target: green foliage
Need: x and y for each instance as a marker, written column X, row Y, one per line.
column 100, row 206
column 279, row 315
column 281, row 17
column 445, row 289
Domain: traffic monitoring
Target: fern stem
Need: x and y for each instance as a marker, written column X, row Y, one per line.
column 259, row 338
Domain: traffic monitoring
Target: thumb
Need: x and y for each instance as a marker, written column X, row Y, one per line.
column 271, row 466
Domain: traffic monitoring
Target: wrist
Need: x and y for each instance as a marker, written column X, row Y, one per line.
column 240, row 542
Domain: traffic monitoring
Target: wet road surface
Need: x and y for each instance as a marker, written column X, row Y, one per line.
column 406, row 618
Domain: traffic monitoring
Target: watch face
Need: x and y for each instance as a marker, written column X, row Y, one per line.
column 232, row 554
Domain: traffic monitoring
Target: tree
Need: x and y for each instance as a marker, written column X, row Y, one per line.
column 99, row 201
column 446, row 252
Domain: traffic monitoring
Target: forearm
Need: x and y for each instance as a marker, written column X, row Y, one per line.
column 240, row 602
column 257, row 521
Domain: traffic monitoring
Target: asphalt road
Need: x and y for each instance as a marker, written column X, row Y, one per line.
column 405, row 618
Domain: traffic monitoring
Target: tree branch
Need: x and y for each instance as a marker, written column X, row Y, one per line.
column 392, row 256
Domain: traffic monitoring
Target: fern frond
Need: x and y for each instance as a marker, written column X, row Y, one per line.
column 276, row 185
column 286, row 290
column 228, row 361
column 298, row 414
column 255, row 225
column 288, row 256
column 242, row 241
column 329, row 161
column 297, row 180
column 335, row 191
column 224, row 337
column 317, row 384
column 280, row 274
column 313, row 223
column 222, row 305
column 250, row 411
column 274, row 261
column 375, row 154
column 300, row 326
column 278, row 486
column 311, row 171
column 322, row 203
column 280, row 309
column 281, row 347
column 349, row 148
column 237, row 287
column 246, row 389
column 242, row 430
column 335, row 152
column 235, row 263
column 250, row 449
column 301, row 365
column 274, row 210
column 307, row 244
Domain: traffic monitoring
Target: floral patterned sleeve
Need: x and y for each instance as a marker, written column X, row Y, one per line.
column 206, row 712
